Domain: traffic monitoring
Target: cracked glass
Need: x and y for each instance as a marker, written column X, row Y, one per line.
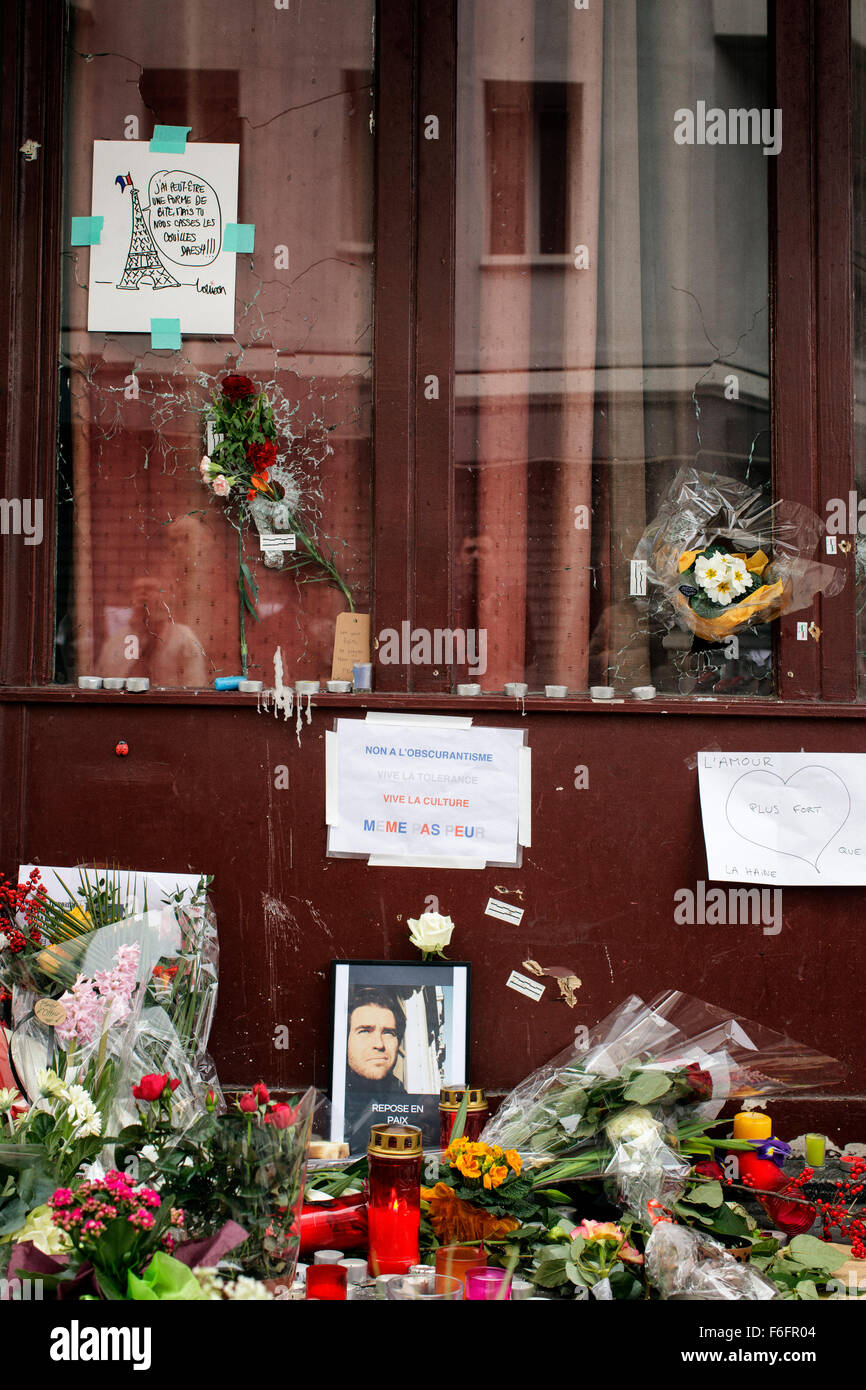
column 149, row 556
column 611, row 324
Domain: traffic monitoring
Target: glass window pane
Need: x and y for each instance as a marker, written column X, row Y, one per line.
column 611, row 323
column 148, row 558
column 855, row 515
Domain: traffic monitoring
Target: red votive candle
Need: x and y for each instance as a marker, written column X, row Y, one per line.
column 450, row 1098
column 326, row 1282
column 394, row 1198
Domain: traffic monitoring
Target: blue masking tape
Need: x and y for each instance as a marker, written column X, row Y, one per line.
column 86, row 231
column 239, row 236
column 169, row 139
column 165, row 333
column 227, row 682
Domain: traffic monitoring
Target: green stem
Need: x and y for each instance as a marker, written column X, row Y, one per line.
column 243, row 631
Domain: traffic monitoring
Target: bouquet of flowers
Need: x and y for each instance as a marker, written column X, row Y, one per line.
column 723, row 558
column 483, row 1195
column 244, row 468
column 653, row 1079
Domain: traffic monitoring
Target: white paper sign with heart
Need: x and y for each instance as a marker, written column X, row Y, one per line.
column 784, row 818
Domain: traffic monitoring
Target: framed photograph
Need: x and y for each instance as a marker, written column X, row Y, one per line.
column 399, row 1031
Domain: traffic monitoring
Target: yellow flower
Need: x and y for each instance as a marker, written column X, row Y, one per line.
column 498, row 1174
column 513, row 1159
column 468, row 1166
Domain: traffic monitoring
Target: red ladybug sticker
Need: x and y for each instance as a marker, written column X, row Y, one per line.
column 121, row 749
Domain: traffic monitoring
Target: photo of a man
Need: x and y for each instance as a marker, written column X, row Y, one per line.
column 404, row 1030
column 376, row 1029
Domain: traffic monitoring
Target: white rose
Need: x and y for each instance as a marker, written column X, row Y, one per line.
column 636, row 1123
column 430, row 932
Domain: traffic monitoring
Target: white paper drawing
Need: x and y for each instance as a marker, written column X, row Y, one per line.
column 160, row 251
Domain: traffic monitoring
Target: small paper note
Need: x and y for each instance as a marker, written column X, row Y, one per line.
column 239, row 236
column 165, row 333
column 522, row 983
column 86, row 231
column 351, row 644
column 286, row 540
column 169, row 139
column 506, row 912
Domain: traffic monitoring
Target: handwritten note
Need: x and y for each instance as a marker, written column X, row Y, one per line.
column 784, row 818
column 161, row 249
column 351, row 644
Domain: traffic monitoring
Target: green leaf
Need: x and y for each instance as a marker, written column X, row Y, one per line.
column 551, row 1273
column 647, row 1086
column 574, row 1274
column 706, row 1195
column 816, row 1254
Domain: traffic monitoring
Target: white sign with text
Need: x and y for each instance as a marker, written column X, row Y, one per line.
column 415, row 792
column 159, row 253
column 796, row 819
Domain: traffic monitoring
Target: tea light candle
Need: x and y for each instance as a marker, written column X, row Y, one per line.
column 307, row 687
column 471, row 688
column 601, row 692
column 752, row 1124
column 487, row 1284
column 113, row 683
column 251, row 687
column 643, row 692
column 137, row 684
column 394, row 1201
column 517, row 689
column 356, row 1270
column 89, row 682
column 327, row 1257
column 338, row 687
column 556, row 692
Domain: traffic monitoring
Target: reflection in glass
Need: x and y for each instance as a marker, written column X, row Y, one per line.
column 611, row 324
column 148, row 563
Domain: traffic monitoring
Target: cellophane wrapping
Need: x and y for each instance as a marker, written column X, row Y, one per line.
column 671, row 1064
column 702, row 510
column 683, row 1264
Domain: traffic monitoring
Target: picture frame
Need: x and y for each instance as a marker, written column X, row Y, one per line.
column 399, row 1032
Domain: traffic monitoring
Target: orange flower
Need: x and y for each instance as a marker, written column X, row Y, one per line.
column 513, row 1159
column 455, row 1221
column 468, row 1166
column 498, row 1174
column 260, row 481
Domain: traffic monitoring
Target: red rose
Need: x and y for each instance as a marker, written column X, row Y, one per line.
column 261, row 1090
column 282, row 1116
column 151, row 1087
column 261, row 457
column 700, row 1081
column 238, row 388
column 248, row 1104
column 707, row 1168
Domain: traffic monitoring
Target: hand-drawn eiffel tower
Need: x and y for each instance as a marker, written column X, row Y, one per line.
column 142, row 258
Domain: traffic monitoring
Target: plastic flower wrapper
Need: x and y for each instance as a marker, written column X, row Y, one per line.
column 679, row 1055
column 722, row 557
column 685, row 1265
column 643, row 1165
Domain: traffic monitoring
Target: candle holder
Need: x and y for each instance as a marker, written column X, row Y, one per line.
column 327, row 1282
column 424, row 1287
column 450, row 1098
column 488, row 1284
column 454, row 1260
column 394, row 1197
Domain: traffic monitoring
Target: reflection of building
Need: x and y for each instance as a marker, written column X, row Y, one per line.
column 609, row 282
